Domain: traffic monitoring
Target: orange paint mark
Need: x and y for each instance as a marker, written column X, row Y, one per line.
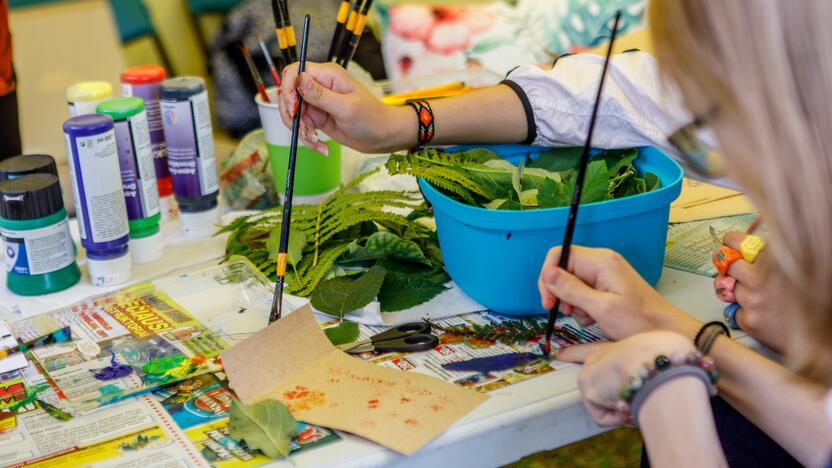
column 372, row 404
column 410, row 422
column 436, row 408
column 404, row 400
column 368, row 423
column 302, row 399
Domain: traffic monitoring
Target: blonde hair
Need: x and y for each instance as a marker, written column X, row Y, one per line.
column 766, row 65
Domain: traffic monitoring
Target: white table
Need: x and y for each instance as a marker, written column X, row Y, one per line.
column 538, row 414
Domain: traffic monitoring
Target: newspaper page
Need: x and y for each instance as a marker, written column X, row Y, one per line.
column 134, row 327
column 690, row 246
column 454, row 348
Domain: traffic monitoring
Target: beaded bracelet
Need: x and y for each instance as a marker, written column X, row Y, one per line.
column 427, row 125
column 663, row 368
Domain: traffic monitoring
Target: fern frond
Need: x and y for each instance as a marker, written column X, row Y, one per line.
column 306, row 284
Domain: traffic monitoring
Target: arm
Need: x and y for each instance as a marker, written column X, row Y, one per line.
column 546, row 108
column 790, row 409
column 689, row 421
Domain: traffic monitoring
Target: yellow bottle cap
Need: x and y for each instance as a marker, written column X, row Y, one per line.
column 87, row 91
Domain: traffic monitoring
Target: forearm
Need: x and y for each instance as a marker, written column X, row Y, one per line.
column 487, row 116
column 677, row 425
column 788, row 408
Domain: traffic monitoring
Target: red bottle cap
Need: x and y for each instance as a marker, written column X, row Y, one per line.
column 143, row 74
column 165, row 186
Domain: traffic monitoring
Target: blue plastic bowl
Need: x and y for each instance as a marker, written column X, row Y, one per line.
column 495, row 256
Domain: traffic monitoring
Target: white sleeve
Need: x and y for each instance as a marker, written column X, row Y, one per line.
column 637, row 109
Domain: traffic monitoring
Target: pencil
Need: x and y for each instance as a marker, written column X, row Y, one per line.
column 258, row 80
column 269, row 61
column 355, row 38
column 277, row 302
column 341, row 19
column 280, row 32
column 291, row 42
column 579, row 185
column 341, row 49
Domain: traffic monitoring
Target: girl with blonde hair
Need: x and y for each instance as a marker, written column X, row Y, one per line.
column 758, row 74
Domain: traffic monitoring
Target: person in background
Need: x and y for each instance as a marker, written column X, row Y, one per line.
column 9, row 123
column 757, row 73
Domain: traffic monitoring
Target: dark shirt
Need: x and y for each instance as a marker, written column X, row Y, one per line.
column 6, row 75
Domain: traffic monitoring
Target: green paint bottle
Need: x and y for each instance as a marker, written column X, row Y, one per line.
column 40, row 255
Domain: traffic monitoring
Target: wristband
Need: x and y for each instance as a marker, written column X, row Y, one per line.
column 426, row 121
column 652, row 375
column 708, row 334
column 730, row 314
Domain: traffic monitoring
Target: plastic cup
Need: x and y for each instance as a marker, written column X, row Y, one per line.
column 316, row 175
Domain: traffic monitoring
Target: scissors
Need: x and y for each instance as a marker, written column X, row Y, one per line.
column 408, row 337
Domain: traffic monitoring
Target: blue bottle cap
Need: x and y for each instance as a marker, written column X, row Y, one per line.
column 181, row 88
column 89, row 124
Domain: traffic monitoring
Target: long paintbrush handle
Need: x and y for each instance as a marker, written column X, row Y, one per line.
column 277, row 302
column 340, row 20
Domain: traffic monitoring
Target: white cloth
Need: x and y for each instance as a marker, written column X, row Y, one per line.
column 637, row 108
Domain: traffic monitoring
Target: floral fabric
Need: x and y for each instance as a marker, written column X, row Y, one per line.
column 421, row 39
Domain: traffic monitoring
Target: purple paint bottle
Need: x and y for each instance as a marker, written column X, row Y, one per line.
column 99, row 197
column 143, row 81
column 186, row 120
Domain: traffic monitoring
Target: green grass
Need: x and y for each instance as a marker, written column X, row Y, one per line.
column 613, row 449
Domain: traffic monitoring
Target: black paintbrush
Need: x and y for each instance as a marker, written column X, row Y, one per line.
column 352, row 20
column 277, row 303
column 280, row 32
column 353, row 40
column 290, row 30
column 579, row 185
column 341, row 19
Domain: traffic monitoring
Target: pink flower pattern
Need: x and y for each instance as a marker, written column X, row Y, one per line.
column 443, row 30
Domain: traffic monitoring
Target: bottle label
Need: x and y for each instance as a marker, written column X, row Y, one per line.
column 190, row 146
column 150, row 94
column 38, row 251
column 138, row 178
column 99, row 197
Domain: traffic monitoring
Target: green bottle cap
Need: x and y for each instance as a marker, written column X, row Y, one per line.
column 121, row 108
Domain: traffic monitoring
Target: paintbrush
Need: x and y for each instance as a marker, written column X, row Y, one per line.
column 277, row 303
column 291, row 41
column 62, row 335
column 258, row 80
column 270, row 62
column 341, row 49
column 579, row 185
column 280, row 32
column 340, row 20
column 355, row 38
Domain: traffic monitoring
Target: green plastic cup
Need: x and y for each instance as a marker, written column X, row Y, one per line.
column 316, row 175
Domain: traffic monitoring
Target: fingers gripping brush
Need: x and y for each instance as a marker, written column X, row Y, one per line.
column 277, row 302
column 579, row 185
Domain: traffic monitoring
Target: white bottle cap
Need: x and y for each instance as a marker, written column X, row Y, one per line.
column 167, row 207
column 110, row 272
column 200, row 225
column 146, row 249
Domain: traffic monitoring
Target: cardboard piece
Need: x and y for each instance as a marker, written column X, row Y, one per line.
column 292, row 361
column 700, row 200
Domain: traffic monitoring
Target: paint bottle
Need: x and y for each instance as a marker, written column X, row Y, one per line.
column 143, row 81
column 25, row 164
column 99, row 197
column 186, row 120
column 138, row 176
column 83, row 98
column 40, row 255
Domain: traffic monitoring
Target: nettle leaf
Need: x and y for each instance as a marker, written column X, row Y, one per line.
column 529, row 197
column 558, row 159
column 496, row 180
column 618, row 159
column 384, row 244
column 651, row 181
column 552, row 194
column 338, row 296
column 478, row 154
column 401, row 291
column 495, row 204
column 294, row 252
column 516, row 182
column 345, row 332
column 266, row 426
column 596, row 183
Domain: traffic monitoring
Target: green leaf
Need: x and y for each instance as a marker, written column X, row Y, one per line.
column 495, row 204
column 617, row 159
column 400, row 292
column 651, row 181
column 495, row 178
column 54, row 411
column 529, row 197
column 266, row 426
column 552, row 194
column 558, row 159
column 478, row 154
column 384, row 244
column 596, row 183
column 297, row 241
column 338, row 296
column 345, row 332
